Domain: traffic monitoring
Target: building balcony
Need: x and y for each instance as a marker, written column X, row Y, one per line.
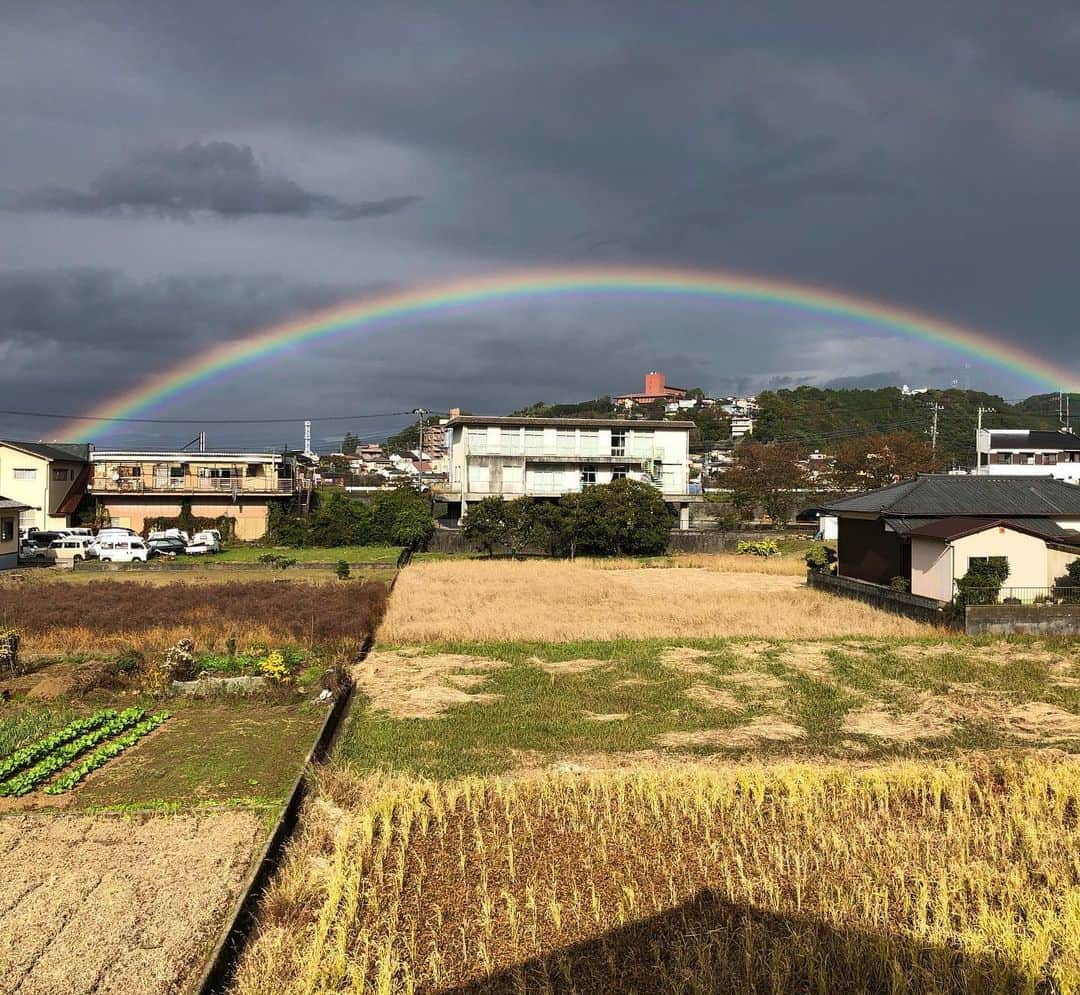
column 189, row 485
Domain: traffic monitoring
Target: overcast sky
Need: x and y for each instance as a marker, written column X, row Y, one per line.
column 177, row 174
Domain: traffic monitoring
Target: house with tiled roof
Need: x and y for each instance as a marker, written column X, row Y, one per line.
column 1028, row 452
column 929, row 529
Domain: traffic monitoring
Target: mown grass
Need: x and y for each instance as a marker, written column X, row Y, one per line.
column 329, row 554
column 539, row 717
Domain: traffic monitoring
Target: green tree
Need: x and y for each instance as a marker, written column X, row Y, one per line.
column 487, row 524
column 349, row 444
column 1067, row 586
column 401, row 517
column 623, row 518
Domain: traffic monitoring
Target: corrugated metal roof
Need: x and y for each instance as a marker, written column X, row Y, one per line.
column 939, row 495
column 1035, row 439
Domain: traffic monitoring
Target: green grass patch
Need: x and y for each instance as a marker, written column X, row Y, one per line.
column 311, row 554
column 210, row 751
column 538, row 717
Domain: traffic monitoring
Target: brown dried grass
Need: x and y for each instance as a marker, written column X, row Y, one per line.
column 555, row 600
column 105, row 615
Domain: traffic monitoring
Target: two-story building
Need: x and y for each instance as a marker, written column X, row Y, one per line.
column 48, row 479
column 550, row 457
column 1021, row 451
column 134, row 486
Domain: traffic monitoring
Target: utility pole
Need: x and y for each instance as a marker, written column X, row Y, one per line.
column 421, row 413
column 307, row 438
column 935, row 407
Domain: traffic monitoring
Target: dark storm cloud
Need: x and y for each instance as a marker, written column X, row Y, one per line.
column 221, row 178
column 866, row 381
column 922, row 154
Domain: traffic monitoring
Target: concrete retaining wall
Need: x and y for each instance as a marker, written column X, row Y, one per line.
column 898, row 602
column 1025, row 620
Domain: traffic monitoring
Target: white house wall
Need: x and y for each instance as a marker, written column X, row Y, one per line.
column 931, row 568
column 1026, row 554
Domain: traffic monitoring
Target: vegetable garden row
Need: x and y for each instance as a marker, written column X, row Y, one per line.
column 111, row 732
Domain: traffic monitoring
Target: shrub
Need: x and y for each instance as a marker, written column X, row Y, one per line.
column 274, row 669
column 342, row 569
column 757, row 547
column 900, row 584
column 277, row 560
column 130, row 661
column 981, row 585
column 9, row 650
column 820, row 559
column 1067, row 586
column 179, row 661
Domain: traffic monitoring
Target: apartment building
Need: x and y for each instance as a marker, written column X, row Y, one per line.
column 134, row 486
column 656, row 389
column 48, row 480
column 550, row 457
column 1027, row 452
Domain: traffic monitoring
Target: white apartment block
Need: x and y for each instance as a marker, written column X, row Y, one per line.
column 550, row 457
column 1020, row 452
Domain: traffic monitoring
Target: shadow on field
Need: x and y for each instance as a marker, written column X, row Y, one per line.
column 709, row 945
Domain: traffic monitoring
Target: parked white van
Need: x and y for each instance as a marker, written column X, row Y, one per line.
column 70, row 549
column 126, row 550
column 170, row 534
column 210, row 538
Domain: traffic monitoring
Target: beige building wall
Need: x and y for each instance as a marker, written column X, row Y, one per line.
column 1026, row 554
column 1057, row 563
column 251, row 516
column 9, row 539
column 36, row 482
column 931, row 568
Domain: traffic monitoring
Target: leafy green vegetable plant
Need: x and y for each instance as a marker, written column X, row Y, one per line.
column 28, row 755
column 68, row 780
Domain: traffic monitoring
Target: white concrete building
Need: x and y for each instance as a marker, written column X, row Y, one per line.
column 1023, row 452
column 549, row 457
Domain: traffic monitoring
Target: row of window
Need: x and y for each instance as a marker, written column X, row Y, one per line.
column 567, row 441
column 1027, row 459
column 59, row 474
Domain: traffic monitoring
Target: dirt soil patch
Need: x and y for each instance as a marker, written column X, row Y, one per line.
column 100, row 904
column 608, row 717
column 409, row 685
column 770, row 728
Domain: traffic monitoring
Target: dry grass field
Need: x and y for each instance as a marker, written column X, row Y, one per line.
column 113, row 906
column 106, row 615
column 559, row 600
column 908, row 878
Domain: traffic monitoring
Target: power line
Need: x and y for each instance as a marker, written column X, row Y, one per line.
column 206, row 421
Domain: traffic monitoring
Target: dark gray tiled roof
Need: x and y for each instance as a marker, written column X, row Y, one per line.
column 939, row 495
column 1035, row 440
column 52, row 450
column 957, row 526
column 6, row 504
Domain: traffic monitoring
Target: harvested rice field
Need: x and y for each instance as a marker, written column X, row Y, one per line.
column 561, row 600
column 107, row 904
column 460, row 708
column 907, row 878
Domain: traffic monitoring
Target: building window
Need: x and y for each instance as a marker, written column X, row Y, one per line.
column 983, row 459
column 477, row 439
column 61, row 473
column 618, row 442
column 7, row 529
column 1027, row 459
column 534, row 441
column 24, row 473
column 177, row 472
column 590, row 442
column 618, row 472
column 588, row 476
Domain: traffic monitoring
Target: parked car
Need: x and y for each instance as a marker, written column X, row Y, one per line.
column 208, row 537
column 170, row 534
column 78, row 531
column 68, row 549
column 171, row 546
column 127, row 550
column 194, row 548
column 38, row 543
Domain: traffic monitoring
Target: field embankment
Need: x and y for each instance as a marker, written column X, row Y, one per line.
column 909, row 878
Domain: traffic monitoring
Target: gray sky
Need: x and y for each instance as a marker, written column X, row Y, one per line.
column 175, row 175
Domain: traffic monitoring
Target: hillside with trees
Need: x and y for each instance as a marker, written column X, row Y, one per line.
column 822, row 419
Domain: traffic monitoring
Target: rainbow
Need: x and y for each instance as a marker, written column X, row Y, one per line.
column 560, row 282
